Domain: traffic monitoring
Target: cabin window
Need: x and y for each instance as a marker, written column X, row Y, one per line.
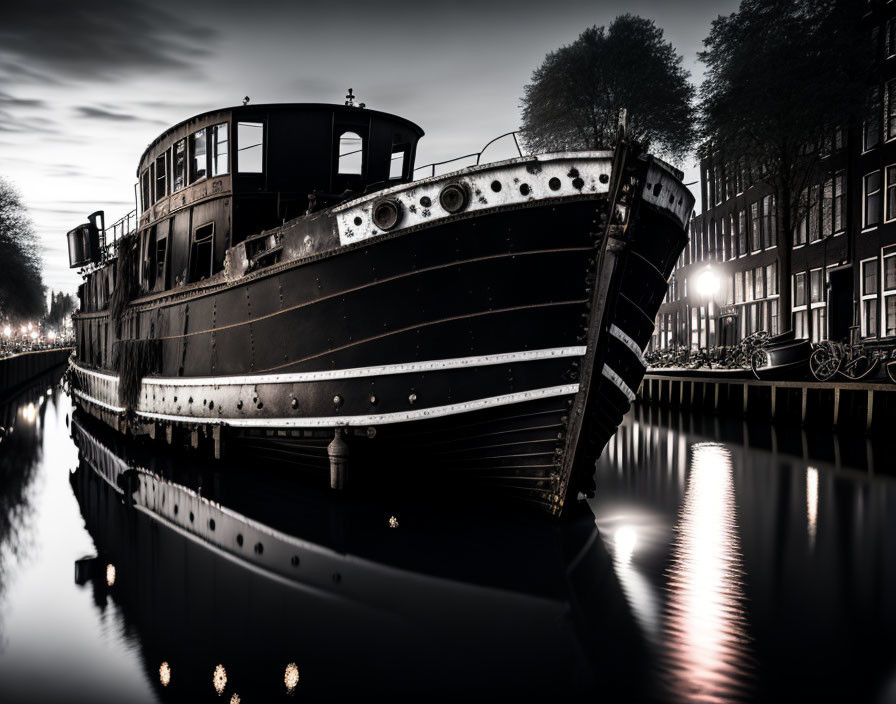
column 197, row 156
column 219, row 149
column 202, row 251
column 351, row 153
column 180, row 164
column 250, row 142
column 145, row 199
column 162, row 176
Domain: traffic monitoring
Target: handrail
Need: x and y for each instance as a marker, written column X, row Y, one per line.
column 478, row 154
column 122, row 227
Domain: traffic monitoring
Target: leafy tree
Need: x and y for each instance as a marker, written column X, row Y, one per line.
column 21, row 288
column 574, row 98
column 781, row 75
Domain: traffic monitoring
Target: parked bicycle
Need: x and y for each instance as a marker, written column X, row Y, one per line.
column 851, row 360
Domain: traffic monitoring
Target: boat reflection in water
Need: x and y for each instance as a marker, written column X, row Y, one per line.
column 252, row 588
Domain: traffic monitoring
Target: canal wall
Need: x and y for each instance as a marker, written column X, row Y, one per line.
column 18, row 369
column 866, row 407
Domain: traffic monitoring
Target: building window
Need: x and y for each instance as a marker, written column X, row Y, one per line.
column 839, row 206
column 799, row 305
column 889, row 292
column 755, row 228
column 871, row 127
column 890, row 39
column 220, row 149
column 162, row 175
column 890, row 109
column 733, row 239
column 816, row 287
column 180, row 165
column 198, row 156
column 817, row 304
column 869, row 298
column 814, row 202
column 769, row 224
column 803, row 212
column 827, row 208
column 742, row 233
column 872, row 201
column 250, row 147
column 890, row 202
column 773, row 317
column 771, row 279
column 839, row 137
column 739, row 287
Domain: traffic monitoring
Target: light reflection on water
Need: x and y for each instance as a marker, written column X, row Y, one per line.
column 706, row 639
column 758, row 561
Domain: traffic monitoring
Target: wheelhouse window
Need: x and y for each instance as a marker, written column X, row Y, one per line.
column 202, row 251
column 872, row 201
column 198, row 155
column 351, row 153
column 145, row 190
column 220, row 149
column 869, row 298
column 396, row 165
column 250, row 143
column 180, row 165
column 162, row 176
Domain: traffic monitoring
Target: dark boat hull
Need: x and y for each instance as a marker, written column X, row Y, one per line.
column 523, row 308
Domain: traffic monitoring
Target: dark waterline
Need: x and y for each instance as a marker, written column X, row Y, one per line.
column 731, row 563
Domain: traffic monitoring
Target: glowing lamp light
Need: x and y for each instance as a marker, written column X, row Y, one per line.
column 219, row 679
column 34, row 335
column 235, row 699
column 30, row 412
column 291, row 677
column 7, row 331
column 24, row 330
column 52, row 335
column 110, row 575
column 393, row 522
column 707, row 283
column 165, row 674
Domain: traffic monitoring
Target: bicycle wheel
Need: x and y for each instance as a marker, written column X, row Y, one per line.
column 891, row 371
column 858, row 368
column 823, row 363
column 759, row 361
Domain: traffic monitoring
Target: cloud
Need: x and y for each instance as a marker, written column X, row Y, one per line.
column 101, row 113
column 98, row 39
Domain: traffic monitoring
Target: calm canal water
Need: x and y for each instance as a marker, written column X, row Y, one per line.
column 717, row 562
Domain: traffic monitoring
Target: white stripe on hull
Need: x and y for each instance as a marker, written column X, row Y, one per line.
column 619, row 383
column 620, row 335
column 355, row 373
column 381, row 419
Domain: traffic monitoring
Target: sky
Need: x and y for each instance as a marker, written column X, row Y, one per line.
column 85, row 86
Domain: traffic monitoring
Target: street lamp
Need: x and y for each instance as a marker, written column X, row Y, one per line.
column 7, row 331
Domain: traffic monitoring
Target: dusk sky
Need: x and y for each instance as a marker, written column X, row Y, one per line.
column 85, row 86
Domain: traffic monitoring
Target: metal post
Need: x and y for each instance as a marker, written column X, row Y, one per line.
column 337, row 451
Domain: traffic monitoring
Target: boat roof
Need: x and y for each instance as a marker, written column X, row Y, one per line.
column 254, row 109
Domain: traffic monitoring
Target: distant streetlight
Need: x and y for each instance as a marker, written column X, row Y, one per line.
column 7, row 331
column 34, row 335
column 52, row 334
column 708, row 283
column 30, row 326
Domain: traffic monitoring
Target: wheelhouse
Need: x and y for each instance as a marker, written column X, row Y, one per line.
column 215, row 179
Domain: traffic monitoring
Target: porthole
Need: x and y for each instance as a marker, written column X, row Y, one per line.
column 239, row 539
column 525, row 190
column 578, row 183
column 453, row 198
column 426, row 201
column 554, row 184
column 496, row 186
column 357, row 221
column 387, row 214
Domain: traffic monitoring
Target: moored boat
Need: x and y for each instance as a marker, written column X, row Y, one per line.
column 289, row 289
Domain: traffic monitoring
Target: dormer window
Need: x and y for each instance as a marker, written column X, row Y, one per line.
column 351, row 153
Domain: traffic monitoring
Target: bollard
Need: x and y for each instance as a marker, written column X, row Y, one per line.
column 338, row 452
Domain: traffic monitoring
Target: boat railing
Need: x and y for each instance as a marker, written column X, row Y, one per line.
column 477, row 155
column 110, row 236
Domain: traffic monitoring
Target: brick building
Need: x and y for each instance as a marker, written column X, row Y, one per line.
column 843, row 263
